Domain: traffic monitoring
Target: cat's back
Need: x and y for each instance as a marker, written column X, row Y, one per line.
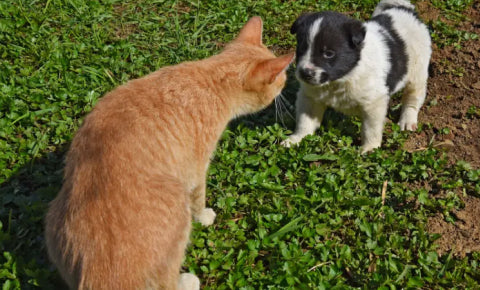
column 118, row 179
column 142, row 117
column 135, row 171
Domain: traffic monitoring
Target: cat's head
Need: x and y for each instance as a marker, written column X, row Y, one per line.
column 264, row 74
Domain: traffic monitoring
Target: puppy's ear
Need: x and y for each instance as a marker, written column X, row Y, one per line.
column 356, row 31
column 299, row 22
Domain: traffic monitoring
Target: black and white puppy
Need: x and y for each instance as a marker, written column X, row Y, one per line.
column 355, row 67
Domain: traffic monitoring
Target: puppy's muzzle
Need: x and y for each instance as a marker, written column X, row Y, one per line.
column 323, row 77
column 312, row 76
column 307, row 74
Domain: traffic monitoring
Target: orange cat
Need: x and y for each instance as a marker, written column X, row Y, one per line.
column 136, row 169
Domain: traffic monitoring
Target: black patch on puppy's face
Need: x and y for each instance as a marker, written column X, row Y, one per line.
column 329, row 52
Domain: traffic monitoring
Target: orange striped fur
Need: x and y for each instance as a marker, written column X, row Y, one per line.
column 135, row 172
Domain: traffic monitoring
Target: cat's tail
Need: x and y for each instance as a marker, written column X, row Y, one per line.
column 389, row 4
column 136, row 240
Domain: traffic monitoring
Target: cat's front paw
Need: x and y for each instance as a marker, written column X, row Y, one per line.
column 188, row 282
column 207, row 217
column 291, row 140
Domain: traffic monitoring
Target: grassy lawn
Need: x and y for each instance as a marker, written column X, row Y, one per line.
column 309, row 217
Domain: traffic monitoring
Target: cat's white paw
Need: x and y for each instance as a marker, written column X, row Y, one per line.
column 408, row 120
column 291, row 140
column 188, row 282
column 207, row 217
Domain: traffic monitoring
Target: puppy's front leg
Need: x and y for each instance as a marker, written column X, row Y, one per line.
column 372, row 125
column 309, row 117
column 412, row 101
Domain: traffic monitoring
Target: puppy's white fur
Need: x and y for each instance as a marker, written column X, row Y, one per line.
column 363, row 91
column 306, row 62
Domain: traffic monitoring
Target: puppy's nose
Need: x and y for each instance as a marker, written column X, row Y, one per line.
column 306, row 73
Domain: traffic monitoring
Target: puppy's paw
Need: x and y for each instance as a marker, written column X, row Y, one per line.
column 188, row 282
column 408, row 120
column 409, row 126
column 207, row 217
column 364, row 150
column 291, row 140
column 367, row 148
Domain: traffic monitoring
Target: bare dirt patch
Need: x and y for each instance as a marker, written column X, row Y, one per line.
column 453, row 90
column 463, row 237
column 450, row 123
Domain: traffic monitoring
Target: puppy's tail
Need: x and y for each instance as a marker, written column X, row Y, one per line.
column 389, row 4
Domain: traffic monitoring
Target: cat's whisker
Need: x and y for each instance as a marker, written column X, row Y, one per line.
column 289, row 107
column 284, row 98
column 276, row 111
column 280, row 109
column 282, row 106
column 286, row 104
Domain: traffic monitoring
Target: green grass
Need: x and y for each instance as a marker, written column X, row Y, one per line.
column 448, row 34
column 306, row 217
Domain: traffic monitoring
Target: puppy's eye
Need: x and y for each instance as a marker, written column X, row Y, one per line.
column 328, row 53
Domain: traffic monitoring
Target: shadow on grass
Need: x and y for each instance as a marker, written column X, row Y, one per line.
column 26, row 195
column 283, row 112
column 24, row 198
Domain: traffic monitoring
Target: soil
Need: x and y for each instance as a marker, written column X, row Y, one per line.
column 453, row 90
column 463, row 237
column 448, row 122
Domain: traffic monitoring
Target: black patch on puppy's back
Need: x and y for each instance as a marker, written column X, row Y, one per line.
column 403, row 8
column 397, row 51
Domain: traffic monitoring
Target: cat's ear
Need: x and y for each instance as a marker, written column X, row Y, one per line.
column 266, row 72
column 251, row 32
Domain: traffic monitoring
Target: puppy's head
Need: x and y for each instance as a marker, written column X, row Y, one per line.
column 328, row 46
